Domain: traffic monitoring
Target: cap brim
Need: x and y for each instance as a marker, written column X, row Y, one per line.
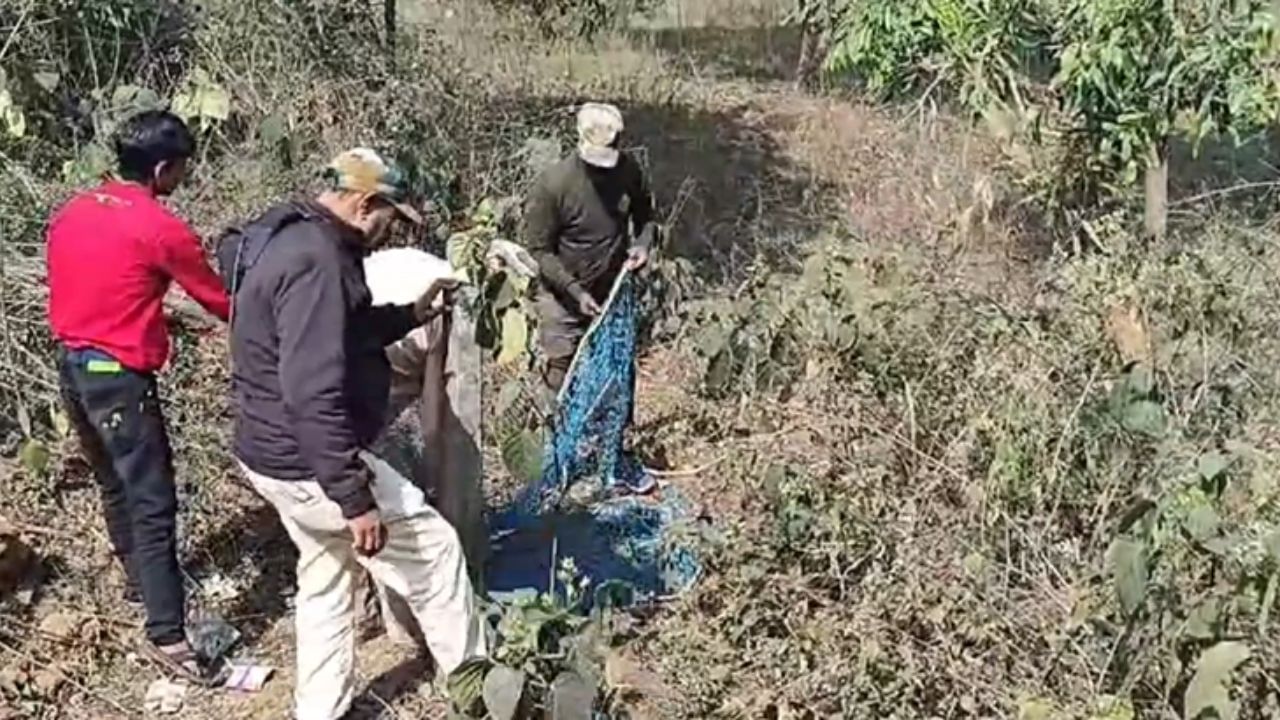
column 605, row 157
column 408, row 212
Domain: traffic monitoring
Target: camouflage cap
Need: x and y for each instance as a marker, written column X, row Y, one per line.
column 599, row 126
column 364, row 170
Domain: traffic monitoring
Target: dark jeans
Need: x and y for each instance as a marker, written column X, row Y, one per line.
column 560, row 330
column 116, row 413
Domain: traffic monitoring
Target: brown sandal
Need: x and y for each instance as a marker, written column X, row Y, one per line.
column 183, row 664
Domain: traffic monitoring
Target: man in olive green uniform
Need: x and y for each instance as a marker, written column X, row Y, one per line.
column 587, row 217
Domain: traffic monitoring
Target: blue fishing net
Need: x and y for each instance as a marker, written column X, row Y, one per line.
column 584, row 505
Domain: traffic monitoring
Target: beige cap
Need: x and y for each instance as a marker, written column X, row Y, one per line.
column 364, row 170
column 599, row 125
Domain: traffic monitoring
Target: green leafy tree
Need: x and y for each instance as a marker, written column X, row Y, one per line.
column 1136, row 74
column 1119, row 80
column 981, row 50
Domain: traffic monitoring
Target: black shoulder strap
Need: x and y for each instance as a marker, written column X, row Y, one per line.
column 241, row 248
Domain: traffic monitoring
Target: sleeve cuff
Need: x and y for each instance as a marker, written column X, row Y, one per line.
column 356, row 496
column 357, row 503
column 406, row 318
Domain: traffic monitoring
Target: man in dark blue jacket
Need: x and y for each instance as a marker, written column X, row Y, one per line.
column 311, row 383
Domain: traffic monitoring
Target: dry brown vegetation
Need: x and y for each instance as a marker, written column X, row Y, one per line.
column 918, row 420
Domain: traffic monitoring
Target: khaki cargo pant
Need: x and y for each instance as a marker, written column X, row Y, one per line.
column 422, row 564
column 560, row 331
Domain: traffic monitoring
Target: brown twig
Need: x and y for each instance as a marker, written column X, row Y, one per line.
column 70, row 680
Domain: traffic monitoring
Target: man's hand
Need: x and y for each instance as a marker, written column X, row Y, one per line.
column 369, row 534
column 587, row 305
column 425, row 307
column 637, row 258
column 184, row 311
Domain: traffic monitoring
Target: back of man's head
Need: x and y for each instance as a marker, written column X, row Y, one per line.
column 149, row 139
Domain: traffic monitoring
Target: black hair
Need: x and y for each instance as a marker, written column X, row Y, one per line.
column 148, row 139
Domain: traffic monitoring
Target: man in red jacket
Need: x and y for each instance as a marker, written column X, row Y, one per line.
column 112, row 254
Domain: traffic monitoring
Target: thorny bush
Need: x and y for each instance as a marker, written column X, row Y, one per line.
column 1054, row 506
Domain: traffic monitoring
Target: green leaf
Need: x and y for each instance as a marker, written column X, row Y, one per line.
column 1213, row 464
column 503, row 688
column 128, row 99
column 1203, row 621
column 506, row 295
column 47, row 80
column 465, row 251
column 1144, row 417
column 1201, row 523
column 15, row 122
column 571, row 698
column 1128, row 562
column 1273, row 547
column 60, row 422
column 10, row 115
column 975, row 564
column 522, row 455
column 519, row 282
column 35, row 457
column 1034, row 708
column 507, row 397
column 1112, row 708
column 465, row 687
column 215, row 103
column 24, row 420
column 484, row 213
column 711, row 338
column 719, row 372
column 774, row 477
column 515, row 336
column 273, row 130
column 1208, row 689
column 93, row 161
column 202, row 99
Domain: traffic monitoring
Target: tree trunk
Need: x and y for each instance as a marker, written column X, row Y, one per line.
column 809, row 64
column 1157, row 191
column 389, row 25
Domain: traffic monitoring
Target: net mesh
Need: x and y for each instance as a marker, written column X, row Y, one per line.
column 583, row 506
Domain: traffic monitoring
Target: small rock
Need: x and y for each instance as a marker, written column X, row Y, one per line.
column 59, row 626
column 623, row 674
column 16, row 561
column 47, row 681
column 165, row 696
column 219, row 588
column 12, row 678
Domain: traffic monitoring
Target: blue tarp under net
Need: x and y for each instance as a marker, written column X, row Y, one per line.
column 582, row 507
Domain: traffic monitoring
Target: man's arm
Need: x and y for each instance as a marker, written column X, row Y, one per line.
column 408, row 359
column 311, row 319
column 183, row 259
column 182, row 309
column 542, row 237
column 390, row 323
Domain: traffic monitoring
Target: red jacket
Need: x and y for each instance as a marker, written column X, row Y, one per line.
column 111, row 254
